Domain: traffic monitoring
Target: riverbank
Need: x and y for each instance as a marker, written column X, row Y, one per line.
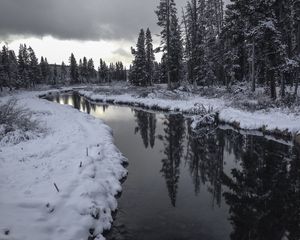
column 276, row 120
column 76, row 153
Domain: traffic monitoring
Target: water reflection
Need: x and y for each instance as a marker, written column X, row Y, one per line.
column 264, row 195
column 146, row 125
column 205, row 159
column 173, row 149
column 250, row 183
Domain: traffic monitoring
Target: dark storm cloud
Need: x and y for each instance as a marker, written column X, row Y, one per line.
column 78, row 19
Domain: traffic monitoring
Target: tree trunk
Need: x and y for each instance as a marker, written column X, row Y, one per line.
column 253, row 68
column 272, row 85
column 297, row 84
column 282, row 85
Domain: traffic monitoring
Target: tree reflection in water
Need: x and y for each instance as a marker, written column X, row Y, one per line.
column 146, row 125
column 173, row 141
column 264, row 194
column 205, row 159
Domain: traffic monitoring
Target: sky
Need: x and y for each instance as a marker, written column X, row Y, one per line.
column 92, row 28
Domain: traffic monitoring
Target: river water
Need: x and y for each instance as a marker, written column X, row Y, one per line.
column 212, row 184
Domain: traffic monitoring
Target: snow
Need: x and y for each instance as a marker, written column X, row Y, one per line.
column 269, row 119
column 30, row 206
column 189, row 105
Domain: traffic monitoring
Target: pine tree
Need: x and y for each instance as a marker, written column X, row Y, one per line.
column 13, row 70
column 55, row 74
column 4, row 68
column 45, row 69
column 90, row 69
column 194, row 40
column 111, row 72
column 63, row 72
column 296, row 22
column 138, row 72
column 233, row 37
column 163, row 70
column 171, row 40
column 23, row 66
column 34, row 70
column 74, row 74
column 85, row 70
column 80, row 71
column 103, row 71
column 149, row 58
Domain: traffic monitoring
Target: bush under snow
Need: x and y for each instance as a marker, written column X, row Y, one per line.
column 16, row 124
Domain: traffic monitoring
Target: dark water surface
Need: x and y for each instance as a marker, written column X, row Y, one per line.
column 213, row 184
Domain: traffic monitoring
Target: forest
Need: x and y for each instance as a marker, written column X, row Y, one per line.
column 205, row 44
column 252, row 42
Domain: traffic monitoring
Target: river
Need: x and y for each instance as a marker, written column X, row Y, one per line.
column 213, row 184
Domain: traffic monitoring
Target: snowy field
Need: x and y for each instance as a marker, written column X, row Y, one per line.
column 77, row 153
column 275, row 118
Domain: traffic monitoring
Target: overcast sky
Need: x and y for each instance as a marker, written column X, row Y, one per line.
column 94, row 28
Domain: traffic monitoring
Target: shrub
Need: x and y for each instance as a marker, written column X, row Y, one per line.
column 16, row 123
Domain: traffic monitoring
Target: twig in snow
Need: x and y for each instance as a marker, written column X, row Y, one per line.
column 56, row 187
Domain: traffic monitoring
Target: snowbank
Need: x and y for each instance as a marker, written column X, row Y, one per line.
column 270, row 121
column 79, row 156
column 274, row 119
column 189, row 105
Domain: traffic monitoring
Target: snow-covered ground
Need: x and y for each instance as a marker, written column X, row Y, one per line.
column 76, row 153
column 269, row 119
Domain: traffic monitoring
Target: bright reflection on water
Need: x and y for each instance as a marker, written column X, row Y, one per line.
column 214, row 184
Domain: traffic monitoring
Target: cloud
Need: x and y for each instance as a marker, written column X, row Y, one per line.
column 122, row 52
column 78, row 19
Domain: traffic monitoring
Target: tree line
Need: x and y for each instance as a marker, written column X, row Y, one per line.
column 26, row 71
column 257, row 42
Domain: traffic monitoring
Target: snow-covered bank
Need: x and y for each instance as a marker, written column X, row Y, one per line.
column 189, row 105
column 77, row 154
column 273, row 119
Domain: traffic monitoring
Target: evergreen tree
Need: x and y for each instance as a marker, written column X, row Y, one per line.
column 171, row 40
column 85, row 71
column 156, row 72
column 45, row 69
column 80, row 71
column 63, row 72
column 163, row 70
column 103, row 71
column 138, row 71
column 55, row 74
column 13, row 70
column 296, row 23
column 23, row 66
column 194, row 39
column 90, row 69
column 149, row 58
column 5, row 74
column 34, row 69
column 74, row 74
